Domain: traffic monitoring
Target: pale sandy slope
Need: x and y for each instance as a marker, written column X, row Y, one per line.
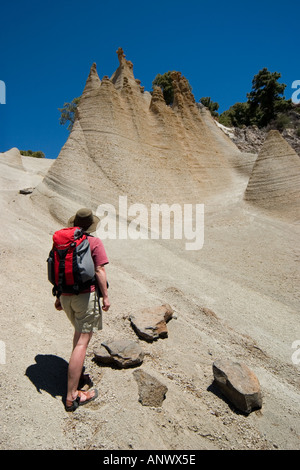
column 247, row 273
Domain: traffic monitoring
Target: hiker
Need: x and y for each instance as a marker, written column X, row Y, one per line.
column 84, row 312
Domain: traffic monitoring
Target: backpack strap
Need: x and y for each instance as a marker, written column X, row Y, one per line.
column 61, row 271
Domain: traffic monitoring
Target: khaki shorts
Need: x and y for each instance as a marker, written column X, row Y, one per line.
column 83, row 311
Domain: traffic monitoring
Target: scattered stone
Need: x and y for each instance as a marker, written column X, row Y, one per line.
column 239, row 384
column 151, row 391
column 151, row 323
column 122, row 353
column 26, row 191
column 102, row 355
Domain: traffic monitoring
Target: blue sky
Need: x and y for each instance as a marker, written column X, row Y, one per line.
column 48, row 47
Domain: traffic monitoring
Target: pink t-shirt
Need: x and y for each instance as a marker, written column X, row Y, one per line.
column 98, row 254
column 98, row 251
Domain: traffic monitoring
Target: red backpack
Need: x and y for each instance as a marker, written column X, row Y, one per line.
column 70, row 264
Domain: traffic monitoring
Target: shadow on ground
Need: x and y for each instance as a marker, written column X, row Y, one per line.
column 49, row 373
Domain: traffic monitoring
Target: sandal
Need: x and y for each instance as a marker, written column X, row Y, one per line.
column 85, row 380
column 73, row 405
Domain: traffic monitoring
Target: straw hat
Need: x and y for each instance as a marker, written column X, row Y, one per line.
column 85, row 219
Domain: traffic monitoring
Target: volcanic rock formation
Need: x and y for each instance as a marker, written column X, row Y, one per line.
column 125, row 140
column 274, row 183
column 17, row 173
column 13, row 158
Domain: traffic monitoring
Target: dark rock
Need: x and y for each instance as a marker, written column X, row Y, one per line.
column 151, row 323
column 26, row 191
column 122, row 353
column 238, row 384
column 151, row 391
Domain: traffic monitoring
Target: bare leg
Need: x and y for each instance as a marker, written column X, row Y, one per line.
column 76, row 338
column 80, row 344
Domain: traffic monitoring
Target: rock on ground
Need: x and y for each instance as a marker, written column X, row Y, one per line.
column 239, row 384
column 122, row 353
column 151, row 324
column 151, row 391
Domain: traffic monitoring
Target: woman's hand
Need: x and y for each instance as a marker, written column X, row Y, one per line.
column 57, row 305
